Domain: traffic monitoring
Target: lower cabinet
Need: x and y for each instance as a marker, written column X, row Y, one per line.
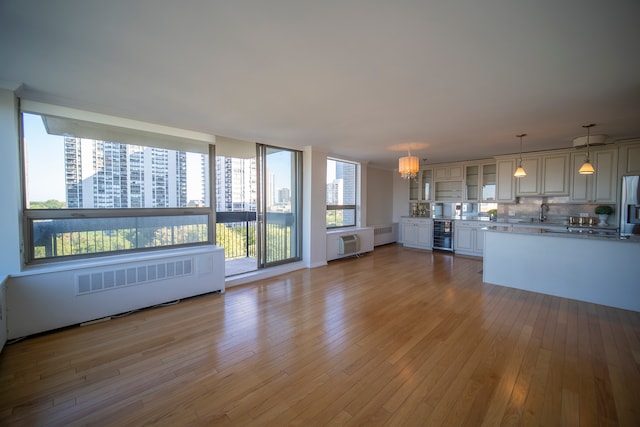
column 417, row 233
column 468, row 238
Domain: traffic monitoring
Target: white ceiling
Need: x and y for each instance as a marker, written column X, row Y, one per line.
column 359, row 78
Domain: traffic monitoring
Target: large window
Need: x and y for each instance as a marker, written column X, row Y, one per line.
column 341, row 193
column 93, row 188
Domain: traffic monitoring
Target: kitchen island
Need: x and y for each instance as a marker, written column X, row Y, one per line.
column 599, row 269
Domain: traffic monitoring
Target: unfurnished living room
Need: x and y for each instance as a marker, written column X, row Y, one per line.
column 271, row 213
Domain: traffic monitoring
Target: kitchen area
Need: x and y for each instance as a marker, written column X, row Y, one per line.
column 554, row 231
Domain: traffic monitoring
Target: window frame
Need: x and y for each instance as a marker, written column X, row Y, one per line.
column 343, row 207
column 29, row 215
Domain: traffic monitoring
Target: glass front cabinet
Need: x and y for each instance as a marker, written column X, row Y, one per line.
column 421, row 188
column 480, row 183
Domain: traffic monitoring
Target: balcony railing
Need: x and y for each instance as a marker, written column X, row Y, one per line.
column 236, row 233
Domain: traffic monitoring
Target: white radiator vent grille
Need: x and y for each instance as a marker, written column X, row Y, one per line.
column 98, row 281
column 383, row 230
column 348, row 244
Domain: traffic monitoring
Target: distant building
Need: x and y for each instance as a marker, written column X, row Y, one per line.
column 104, row 174
column 236, row 184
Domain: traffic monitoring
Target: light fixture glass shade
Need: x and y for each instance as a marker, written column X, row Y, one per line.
column 586, row 168
column 520, row 172
column 409, row 166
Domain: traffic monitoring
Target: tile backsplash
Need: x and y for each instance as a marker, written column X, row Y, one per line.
column 559, row 209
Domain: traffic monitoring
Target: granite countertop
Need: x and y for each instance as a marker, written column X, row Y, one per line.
column 573, row 233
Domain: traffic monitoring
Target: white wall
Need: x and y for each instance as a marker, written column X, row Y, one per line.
column 379, row 193
column 314, row 207
column 10, row 194
column 400, row 197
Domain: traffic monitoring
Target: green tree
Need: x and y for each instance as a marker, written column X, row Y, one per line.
column 49, row 204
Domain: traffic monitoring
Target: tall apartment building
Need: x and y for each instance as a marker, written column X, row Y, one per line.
column 104, row 174
column 236, row 184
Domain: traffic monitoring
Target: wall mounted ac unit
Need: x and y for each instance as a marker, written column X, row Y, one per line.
column 349, row 244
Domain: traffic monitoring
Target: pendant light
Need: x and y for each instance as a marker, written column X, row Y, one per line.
column 520, row 172
column 587, row 167
column 409, row 166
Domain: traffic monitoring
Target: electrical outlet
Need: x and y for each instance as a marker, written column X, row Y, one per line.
column 584, row 215
column 512, row 212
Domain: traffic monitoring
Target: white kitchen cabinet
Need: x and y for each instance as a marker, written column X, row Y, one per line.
column 417, row 232
column 630, row 158
column 505, row 188
column 448, row 191
column 469, row 238
column 448, row 172
column 421, row 188
column 480, row 183
column 488, row 189
column 555, row 175
column 529, row 185
column 601, row 187
column 547, row 175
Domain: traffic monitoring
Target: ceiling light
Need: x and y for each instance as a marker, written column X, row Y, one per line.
column 520, row 172
column 409, row 166
column 587, row 167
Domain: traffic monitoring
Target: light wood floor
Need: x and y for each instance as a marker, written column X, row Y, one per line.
column 397, row 337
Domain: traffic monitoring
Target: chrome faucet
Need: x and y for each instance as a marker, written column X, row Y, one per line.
column 543, row 206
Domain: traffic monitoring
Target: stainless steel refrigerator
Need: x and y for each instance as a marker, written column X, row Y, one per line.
column 630, row 206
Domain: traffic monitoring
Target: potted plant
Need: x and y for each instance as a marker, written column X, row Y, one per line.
column 603, row 212
column 493, row 214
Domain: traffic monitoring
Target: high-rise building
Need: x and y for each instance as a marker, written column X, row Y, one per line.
column 104, row 174
column 236, row 184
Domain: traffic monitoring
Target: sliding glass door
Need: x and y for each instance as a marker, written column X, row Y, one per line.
column 279, row 205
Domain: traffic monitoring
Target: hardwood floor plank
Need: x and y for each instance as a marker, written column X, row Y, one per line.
column 398, row 337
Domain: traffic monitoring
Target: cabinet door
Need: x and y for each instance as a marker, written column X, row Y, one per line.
column 555, row 177
column 414, row 190
column 630, row 159
column 409, row 234
column 488, row 183
column 427, row 184
column 425, row 235
column 606, row 176
column 504, row 180
column 464, row 239
column 479, row 244
column 448, row 172
column 529, row 185
column 581, row 185
column 455, row 172
column 472, row 183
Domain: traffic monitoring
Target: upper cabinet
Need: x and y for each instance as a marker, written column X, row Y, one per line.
column 547, row 175
column 480, row 183
column 421, row 188
column 630, row 157
column 601, row 187
column 505, row 186
column 448, row 172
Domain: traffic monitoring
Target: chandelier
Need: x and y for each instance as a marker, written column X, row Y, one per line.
column 409, row 166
